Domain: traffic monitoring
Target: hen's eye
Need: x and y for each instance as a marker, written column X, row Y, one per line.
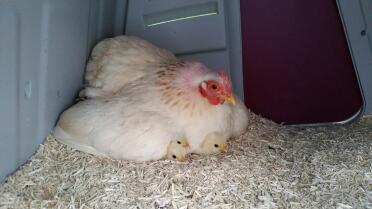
column 216, row 145
column 178, row 142
column 214, row 86
column 174, row 156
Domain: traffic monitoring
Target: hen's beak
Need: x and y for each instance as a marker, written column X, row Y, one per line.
column 185, row 145
column 182, row 158
column 223, row 148
column 230, row 99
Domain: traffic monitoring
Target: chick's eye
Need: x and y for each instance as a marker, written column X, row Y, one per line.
column 216, row 145
column 178, row 142
column 174, row 156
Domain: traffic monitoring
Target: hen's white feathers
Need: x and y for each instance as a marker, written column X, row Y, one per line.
column 122, row 127
column 239, row 117
column 117, row 61
column 123, row 59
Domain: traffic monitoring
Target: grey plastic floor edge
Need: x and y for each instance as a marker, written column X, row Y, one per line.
column 353, row 118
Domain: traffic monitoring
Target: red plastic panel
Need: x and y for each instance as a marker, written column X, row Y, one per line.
column 297, row 67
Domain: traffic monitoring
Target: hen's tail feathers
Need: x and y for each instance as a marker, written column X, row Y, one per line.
column 63, row 137
column 92, row 92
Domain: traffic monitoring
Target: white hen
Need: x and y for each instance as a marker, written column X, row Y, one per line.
column 117, row 61
column 130, row 116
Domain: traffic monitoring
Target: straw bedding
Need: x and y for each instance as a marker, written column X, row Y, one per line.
column 270, row 166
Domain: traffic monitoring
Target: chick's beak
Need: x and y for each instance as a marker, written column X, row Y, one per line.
column 185, row 145
column 230, row 99
column 223, row 148
column 182, row 158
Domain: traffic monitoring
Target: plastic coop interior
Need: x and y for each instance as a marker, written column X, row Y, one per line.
column 44, row 46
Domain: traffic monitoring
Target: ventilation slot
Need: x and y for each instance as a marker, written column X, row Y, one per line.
column 183, row 13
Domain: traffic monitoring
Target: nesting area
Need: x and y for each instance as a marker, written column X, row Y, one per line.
column 270, row 166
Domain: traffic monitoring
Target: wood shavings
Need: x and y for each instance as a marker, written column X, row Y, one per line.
column 270, row 166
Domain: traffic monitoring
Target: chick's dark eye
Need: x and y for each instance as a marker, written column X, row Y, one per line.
column 178, row 142
column 216, row 145
column 174, row 156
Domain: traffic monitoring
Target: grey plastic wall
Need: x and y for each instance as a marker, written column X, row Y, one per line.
column 44, row 46
column 357, row 20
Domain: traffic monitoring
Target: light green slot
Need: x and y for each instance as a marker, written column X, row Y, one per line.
column 183, row 13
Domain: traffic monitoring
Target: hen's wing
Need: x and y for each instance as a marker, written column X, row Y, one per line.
column 133, row 125
column 117, row 61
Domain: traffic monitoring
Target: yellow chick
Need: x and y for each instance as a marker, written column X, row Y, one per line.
column 213, row 143
column 178, row 149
